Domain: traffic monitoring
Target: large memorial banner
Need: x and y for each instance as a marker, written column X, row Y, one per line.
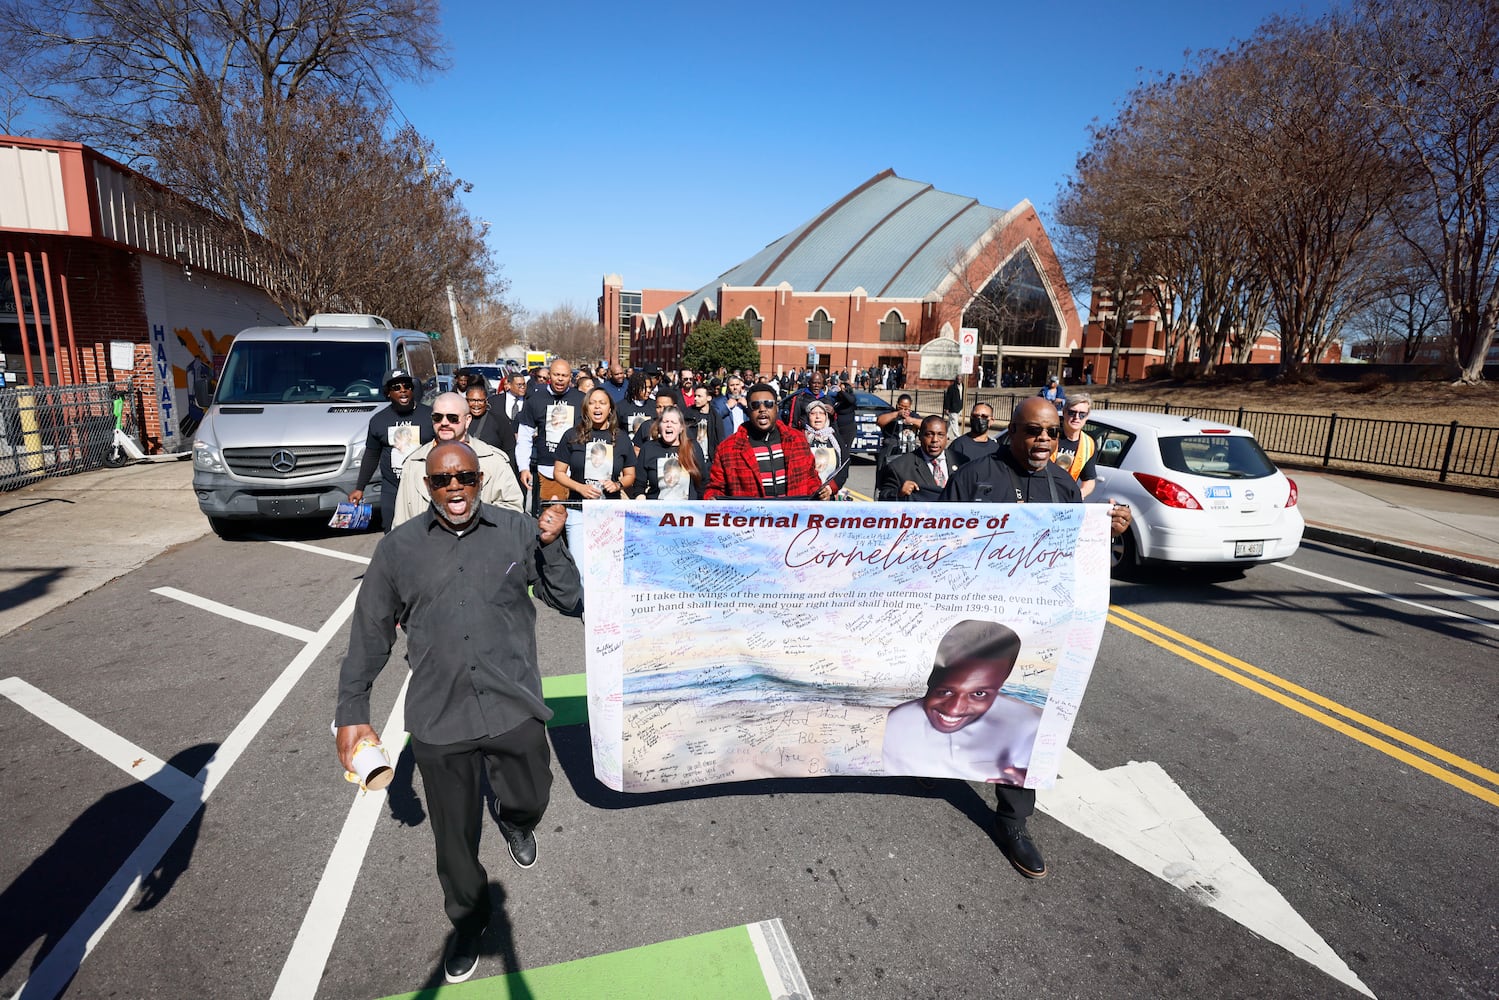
column 731, row 641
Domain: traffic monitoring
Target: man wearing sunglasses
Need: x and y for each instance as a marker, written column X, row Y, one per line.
column 451, row 421
column 1075, row 449
column 765, row 457
column 1024, row 472
column 393, row 434
column 456, row 577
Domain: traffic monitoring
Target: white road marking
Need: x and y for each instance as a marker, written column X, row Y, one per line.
column 52, row 976
column 1482, row 602
column 778, row 962
column 245, row 617
column 1389, row 597
column 303, row 971
column 331, row 553
column 1139, row 813
column 139, row 764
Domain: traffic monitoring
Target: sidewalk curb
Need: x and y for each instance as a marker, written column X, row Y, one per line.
column 1456, row 565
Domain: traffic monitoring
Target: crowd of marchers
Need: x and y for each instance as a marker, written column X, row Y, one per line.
column 475, row 490
column 564, row 435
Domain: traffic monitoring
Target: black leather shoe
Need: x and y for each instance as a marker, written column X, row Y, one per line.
column 460, row 965
column 1020, row 850
column 522, row 844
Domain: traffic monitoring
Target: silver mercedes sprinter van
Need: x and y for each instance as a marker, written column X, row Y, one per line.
column 285, row 432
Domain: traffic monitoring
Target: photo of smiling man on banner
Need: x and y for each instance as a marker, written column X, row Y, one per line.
column 964, row 726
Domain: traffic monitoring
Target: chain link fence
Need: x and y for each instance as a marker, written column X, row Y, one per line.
column 59, row 430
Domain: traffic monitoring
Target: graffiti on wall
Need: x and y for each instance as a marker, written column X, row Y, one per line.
column 184, row 374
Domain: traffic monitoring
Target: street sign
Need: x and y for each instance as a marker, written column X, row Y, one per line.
column 968, row 342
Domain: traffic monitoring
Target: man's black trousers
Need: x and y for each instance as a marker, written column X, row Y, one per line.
column 1014, row 805
column 519, row 765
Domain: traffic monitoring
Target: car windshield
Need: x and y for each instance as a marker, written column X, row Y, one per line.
column 1216, row 456
column 289, row 371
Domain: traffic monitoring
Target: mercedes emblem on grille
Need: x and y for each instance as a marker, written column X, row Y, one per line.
column 284, row 461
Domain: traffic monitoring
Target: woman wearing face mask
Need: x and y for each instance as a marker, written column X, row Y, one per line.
column 978, row 442
column 822, row 438
column 670, row 464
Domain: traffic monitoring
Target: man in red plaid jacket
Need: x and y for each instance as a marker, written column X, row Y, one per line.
column 764, row 458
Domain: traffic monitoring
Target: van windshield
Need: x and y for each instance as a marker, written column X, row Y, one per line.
column 288, row 371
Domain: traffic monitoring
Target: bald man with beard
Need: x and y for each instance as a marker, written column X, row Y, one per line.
column 451, row 421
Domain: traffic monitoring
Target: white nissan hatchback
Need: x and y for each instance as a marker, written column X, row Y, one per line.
column 1200, row 492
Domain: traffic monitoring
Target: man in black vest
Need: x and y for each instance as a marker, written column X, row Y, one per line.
column 1023, row 473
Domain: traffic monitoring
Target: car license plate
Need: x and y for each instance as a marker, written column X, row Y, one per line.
column 1248, row 550
column 303, row 506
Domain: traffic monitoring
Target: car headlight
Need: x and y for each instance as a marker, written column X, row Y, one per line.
column 356, row 454
column 207, row 458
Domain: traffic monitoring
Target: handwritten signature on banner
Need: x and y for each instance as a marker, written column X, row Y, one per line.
column 737, row 641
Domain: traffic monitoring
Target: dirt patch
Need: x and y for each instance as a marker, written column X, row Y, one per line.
column 1419, row 402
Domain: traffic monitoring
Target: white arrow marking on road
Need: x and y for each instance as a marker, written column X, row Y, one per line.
column 1139, row 813
column 1482, row 602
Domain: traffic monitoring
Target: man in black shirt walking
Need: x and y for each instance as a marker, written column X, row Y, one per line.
column 1023, row 473
column 456, row 577
column 394, row 433
column 548, row 413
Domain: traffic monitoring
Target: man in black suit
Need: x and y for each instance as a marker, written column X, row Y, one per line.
column 919, row 474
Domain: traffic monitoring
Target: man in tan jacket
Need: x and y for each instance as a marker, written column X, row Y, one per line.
column 450, row 421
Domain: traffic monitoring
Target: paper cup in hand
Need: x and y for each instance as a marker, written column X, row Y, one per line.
column 371, row 766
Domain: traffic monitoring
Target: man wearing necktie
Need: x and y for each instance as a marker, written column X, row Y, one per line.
column 515, row 397
column 920, row 474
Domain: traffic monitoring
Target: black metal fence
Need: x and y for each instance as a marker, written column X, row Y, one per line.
column 1416, row 451
column 58, row 430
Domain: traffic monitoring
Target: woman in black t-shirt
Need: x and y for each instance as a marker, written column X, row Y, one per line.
column 671, row 465
column 595, row 459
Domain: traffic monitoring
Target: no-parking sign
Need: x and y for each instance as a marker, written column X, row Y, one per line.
column 968, row 342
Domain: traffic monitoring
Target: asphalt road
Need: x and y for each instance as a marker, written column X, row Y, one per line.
column 886, row 888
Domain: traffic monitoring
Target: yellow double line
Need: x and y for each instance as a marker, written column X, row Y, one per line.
column 1249, row 676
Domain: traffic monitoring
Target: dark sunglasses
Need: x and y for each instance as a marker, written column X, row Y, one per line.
column 1038, row 431
column 762, row 404
column 451, row 418
column 1078, row 414
column 440, row 480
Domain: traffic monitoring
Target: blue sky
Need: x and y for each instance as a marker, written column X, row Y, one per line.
column 667, row 142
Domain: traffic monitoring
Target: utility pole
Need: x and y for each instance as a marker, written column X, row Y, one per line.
column 465, row 357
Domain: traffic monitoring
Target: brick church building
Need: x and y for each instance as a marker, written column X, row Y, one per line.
column 891, row 273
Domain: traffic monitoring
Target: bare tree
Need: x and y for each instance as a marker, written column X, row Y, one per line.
column 1395, row 326
column 567, row 332
column 491, row 324
column 336, row 210
column 1428, row 67
column 1300, row 171
column 1248, row 179
column 111, row 71
column 262, row 113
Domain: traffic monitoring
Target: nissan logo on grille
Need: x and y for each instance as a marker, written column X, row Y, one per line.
column 284, row 461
